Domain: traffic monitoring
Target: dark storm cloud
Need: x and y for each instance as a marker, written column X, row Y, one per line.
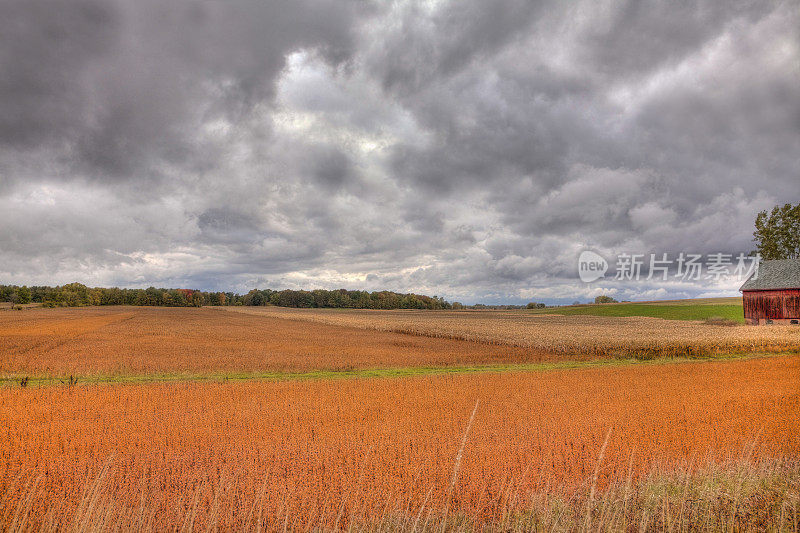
column 638, row 36
column 329, row 166
column 119, row 87
column 426, row 44
column 471, row 149
column 44, row 48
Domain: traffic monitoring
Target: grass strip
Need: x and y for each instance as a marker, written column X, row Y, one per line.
column 666, row 311
column 44, row 380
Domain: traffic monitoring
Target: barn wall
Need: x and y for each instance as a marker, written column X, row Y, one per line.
column 773, row 305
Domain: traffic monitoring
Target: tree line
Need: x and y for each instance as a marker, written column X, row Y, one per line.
column 77, row 295
column 342, row 298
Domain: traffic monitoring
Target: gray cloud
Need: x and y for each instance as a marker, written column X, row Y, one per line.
column 630, row 38
column 469, row 149
column 120, row 89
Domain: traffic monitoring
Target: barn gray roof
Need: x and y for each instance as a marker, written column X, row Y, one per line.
column 774, row 275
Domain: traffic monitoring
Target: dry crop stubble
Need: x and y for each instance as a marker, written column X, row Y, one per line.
column 142, row 340
column 639, row 337
column 322, row 453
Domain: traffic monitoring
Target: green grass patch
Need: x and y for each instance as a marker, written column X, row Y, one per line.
column 669, row 311
column 44, row 381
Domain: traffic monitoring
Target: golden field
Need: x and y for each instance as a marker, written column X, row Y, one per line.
column 410, row 453
column 701, row 445
column 639, row 337
column 142, row 340
column 151, row 340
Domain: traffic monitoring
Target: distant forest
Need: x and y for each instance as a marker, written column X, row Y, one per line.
column 76, row 295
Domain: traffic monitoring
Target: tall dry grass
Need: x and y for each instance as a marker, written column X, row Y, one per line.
column 735, row 496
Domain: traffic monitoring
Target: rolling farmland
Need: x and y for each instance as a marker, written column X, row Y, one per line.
column 144, row 340
column 579, row 440
column 123, row 341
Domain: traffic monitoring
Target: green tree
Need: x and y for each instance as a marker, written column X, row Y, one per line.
column 777, row 233
column 604, row 299
column 23, row 295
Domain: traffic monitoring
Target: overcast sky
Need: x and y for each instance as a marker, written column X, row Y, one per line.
column 469, row 149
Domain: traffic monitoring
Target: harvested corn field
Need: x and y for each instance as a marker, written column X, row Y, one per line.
column 473, row 450
column 638, row 337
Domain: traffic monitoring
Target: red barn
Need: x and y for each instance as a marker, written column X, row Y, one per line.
column 772, row 294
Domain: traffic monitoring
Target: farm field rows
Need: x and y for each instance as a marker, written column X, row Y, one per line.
column 144, row 340
column 638, row 337
column 327, row 454
column 174, row 343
